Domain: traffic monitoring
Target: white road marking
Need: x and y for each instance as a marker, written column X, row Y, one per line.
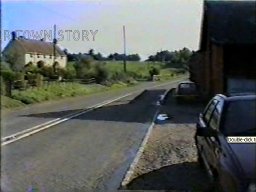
column 129, row 173
column 132, row 167
column 27, row 132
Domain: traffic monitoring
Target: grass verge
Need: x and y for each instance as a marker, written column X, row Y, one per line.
column 61, row 90
column 7, row 102
column 54, row 92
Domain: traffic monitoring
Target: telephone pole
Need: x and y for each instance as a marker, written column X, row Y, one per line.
column 54, row 47
column 124, row 49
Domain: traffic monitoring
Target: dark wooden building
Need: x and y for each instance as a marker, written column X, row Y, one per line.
column 226, row 61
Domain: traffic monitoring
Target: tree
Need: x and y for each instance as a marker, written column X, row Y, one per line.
column 12, row 59
column 91, row 52
column 111, row 57
column 133, row 57
column 66, row 52
column 98, row 57
column 8, row 79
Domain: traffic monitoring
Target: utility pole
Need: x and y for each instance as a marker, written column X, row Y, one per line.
column 54, row 47
column 124, row 49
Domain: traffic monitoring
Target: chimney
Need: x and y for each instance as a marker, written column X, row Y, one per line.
column 14, row 36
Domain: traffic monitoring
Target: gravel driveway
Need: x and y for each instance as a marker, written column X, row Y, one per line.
column 169, row 160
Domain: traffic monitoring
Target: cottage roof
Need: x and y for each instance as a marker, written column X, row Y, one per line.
column 38, row 46
column 229, row 22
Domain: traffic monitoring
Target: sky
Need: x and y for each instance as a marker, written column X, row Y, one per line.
column 150, row 25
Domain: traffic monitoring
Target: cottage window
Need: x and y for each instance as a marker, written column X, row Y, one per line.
column 31, row 55
column 44, row 56
column 38, row 56
column 50, row 57
column 61, row 57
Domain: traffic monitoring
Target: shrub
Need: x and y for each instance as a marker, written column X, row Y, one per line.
column 8, row 78
column 70, row 72
column 31, row 78
column 39, row 80
column 154, row 71
column 30, row 68
column 47, row 71
column 7, row 102
column 82, row 67
column 101, row 73
column 8, row 75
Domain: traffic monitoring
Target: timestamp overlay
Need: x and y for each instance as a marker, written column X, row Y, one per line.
column 241, row 139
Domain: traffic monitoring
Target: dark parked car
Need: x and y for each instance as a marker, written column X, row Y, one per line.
column 186, row 91
column 231, row 164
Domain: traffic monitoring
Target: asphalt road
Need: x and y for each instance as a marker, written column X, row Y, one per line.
column 17, row 120
column 88, row 153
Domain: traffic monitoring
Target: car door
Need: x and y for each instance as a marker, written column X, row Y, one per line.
column 209, row 142
column 215, row 148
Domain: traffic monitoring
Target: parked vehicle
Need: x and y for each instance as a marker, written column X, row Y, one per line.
column 232, row 165
column 186, row 91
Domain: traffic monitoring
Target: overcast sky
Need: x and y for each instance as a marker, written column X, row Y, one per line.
column 151, row 25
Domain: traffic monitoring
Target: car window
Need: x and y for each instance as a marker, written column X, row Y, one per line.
column 209, row 109
column 240, row 117
column 214, row 122
column 185, row 85
column 187, row 88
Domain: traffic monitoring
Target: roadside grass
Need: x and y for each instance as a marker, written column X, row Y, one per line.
column 59, row 91
column 139, row 70
column 7, row 102
column 171, row 73
column 55, row 91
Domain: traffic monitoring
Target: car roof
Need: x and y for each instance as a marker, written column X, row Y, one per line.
column 236, row 97
column 186, row 82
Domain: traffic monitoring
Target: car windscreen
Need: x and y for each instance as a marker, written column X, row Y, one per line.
column 240, row 118
column 187, row 88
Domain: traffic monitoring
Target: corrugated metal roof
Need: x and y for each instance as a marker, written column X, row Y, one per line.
column 230, row 22
column 38, row 46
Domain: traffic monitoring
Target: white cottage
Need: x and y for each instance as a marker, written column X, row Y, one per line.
column 24, row 52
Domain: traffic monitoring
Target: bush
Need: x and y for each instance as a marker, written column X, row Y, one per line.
column 47, row 71
column 101, row 73
column 7, row 102
column 82, row 67
column 8, row 75
column 39, row 80
column 19, row 82
column 117, row 76
column 30, row 68
column 70, row 72
column 31, row 79
column 154, row 71
column 8, row 78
